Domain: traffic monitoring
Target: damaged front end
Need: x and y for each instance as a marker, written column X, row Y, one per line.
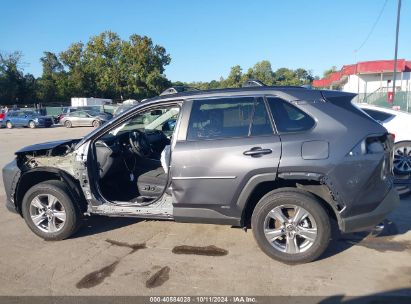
column 59, row 155
column 59, row 160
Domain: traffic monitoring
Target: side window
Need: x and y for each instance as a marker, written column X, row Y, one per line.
column 220, row 118
column 82, row 114
column 287, row 117
column 261, row 122
column 229, row 118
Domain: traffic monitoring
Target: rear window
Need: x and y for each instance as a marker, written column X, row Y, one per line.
column 378, row 115
column 289, row 118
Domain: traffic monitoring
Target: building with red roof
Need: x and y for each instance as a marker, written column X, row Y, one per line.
column 368, row 77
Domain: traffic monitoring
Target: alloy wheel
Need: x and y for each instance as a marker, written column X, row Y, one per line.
column 290, row 229
column 402, row 159
column 47, row 213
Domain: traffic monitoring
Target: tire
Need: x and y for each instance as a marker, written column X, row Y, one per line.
column 32, row 124
column 402, row 165
column 96, row 123
column 43, row 194
column 317, row 221
column 68, row 124
column 9, row 125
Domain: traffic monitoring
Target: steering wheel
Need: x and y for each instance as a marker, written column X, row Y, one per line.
column 140, row 144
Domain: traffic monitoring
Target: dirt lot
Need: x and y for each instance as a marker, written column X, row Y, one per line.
column 120, row 256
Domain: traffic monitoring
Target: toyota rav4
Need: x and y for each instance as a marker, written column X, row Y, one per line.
column 286, row 161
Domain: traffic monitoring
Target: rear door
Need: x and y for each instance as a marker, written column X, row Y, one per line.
column 221, row 144
column 20, row 119
column 83, row 118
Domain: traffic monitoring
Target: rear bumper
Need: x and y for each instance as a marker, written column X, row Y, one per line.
column 368, row 220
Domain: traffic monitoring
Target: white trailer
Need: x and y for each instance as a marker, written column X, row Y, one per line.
column 85, row 101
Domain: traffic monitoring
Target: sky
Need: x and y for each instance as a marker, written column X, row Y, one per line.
column 206, row 38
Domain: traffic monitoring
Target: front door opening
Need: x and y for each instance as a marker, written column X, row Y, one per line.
column 132, row 159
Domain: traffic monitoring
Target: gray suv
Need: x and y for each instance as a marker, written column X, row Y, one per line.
column 286, row 161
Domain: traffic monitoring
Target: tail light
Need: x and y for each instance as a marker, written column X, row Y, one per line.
column 372, row 145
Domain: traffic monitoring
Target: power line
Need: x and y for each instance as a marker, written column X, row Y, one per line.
column 373, row 27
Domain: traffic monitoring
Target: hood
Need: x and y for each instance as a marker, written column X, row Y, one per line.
column 46, row 145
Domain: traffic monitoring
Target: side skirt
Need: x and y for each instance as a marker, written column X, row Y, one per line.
column 161, row 209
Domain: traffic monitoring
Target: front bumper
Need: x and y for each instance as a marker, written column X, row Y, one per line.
column 11, row 175
column 368, row 220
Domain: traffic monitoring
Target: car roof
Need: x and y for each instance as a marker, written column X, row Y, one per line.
column 228, row 91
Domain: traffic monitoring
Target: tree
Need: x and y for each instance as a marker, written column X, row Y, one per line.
column 107, row 66
column 234, row 78
column 15, row 87
column 262, row 71
column 329, row 71
column 50, row 83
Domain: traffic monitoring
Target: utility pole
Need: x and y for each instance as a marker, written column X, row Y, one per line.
column 396, row 50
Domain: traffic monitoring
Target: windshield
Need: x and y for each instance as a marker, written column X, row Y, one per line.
column 152, row 120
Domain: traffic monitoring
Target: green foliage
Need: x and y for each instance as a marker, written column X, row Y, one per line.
column 107, row 66
column 260, row 71
column 15, row 87
column 329, row 71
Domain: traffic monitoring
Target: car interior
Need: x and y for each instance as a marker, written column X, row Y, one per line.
column 133, row 158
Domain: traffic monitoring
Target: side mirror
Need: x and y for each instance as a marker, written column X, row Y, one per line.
column 169, row 125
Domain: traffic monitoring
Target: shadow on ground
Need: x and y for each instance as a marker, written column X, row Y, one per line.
column 397, row 296
column 96, row 224
column 398, row 223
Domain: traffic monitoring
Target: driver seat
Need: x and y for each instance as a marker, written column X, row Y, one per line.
column 152, row 182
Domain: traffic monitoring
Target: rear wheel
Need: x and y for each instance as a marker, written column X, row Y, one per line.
column 67, row 124
column 49, row 211
column 291, row 226
column 32, row 125
column 96, row 123
column 9, row 125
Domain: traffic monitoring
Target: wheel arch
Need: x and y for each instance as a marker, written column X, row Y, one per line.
column 38, row 175
column 260, row 185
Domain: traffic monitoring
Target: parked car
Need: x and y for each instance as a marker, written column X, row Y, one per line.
column 399, row 124
column 2, row 115
column 286, row 161
column 31, row 119
column 85, row 118
column 67, row 110
column 122, row 108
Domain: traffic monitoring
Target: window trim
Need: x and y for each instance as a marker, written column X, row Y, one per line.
column 294, row 105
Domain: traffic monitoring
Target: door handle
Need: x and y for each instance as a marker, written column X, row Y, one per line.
column 256, row 151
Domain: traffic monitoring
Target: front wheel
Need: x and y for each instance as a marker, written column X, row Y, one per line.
column 32, row 125
column 49, row 211
column 291, row 226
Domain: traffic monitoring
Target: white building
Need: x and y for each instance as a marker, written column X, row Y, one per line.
column 369, row 77
column 84, row 101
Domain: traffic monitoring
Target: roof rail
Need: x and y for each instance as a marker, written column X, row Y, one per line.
column 253, row 83
column 177, row 89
